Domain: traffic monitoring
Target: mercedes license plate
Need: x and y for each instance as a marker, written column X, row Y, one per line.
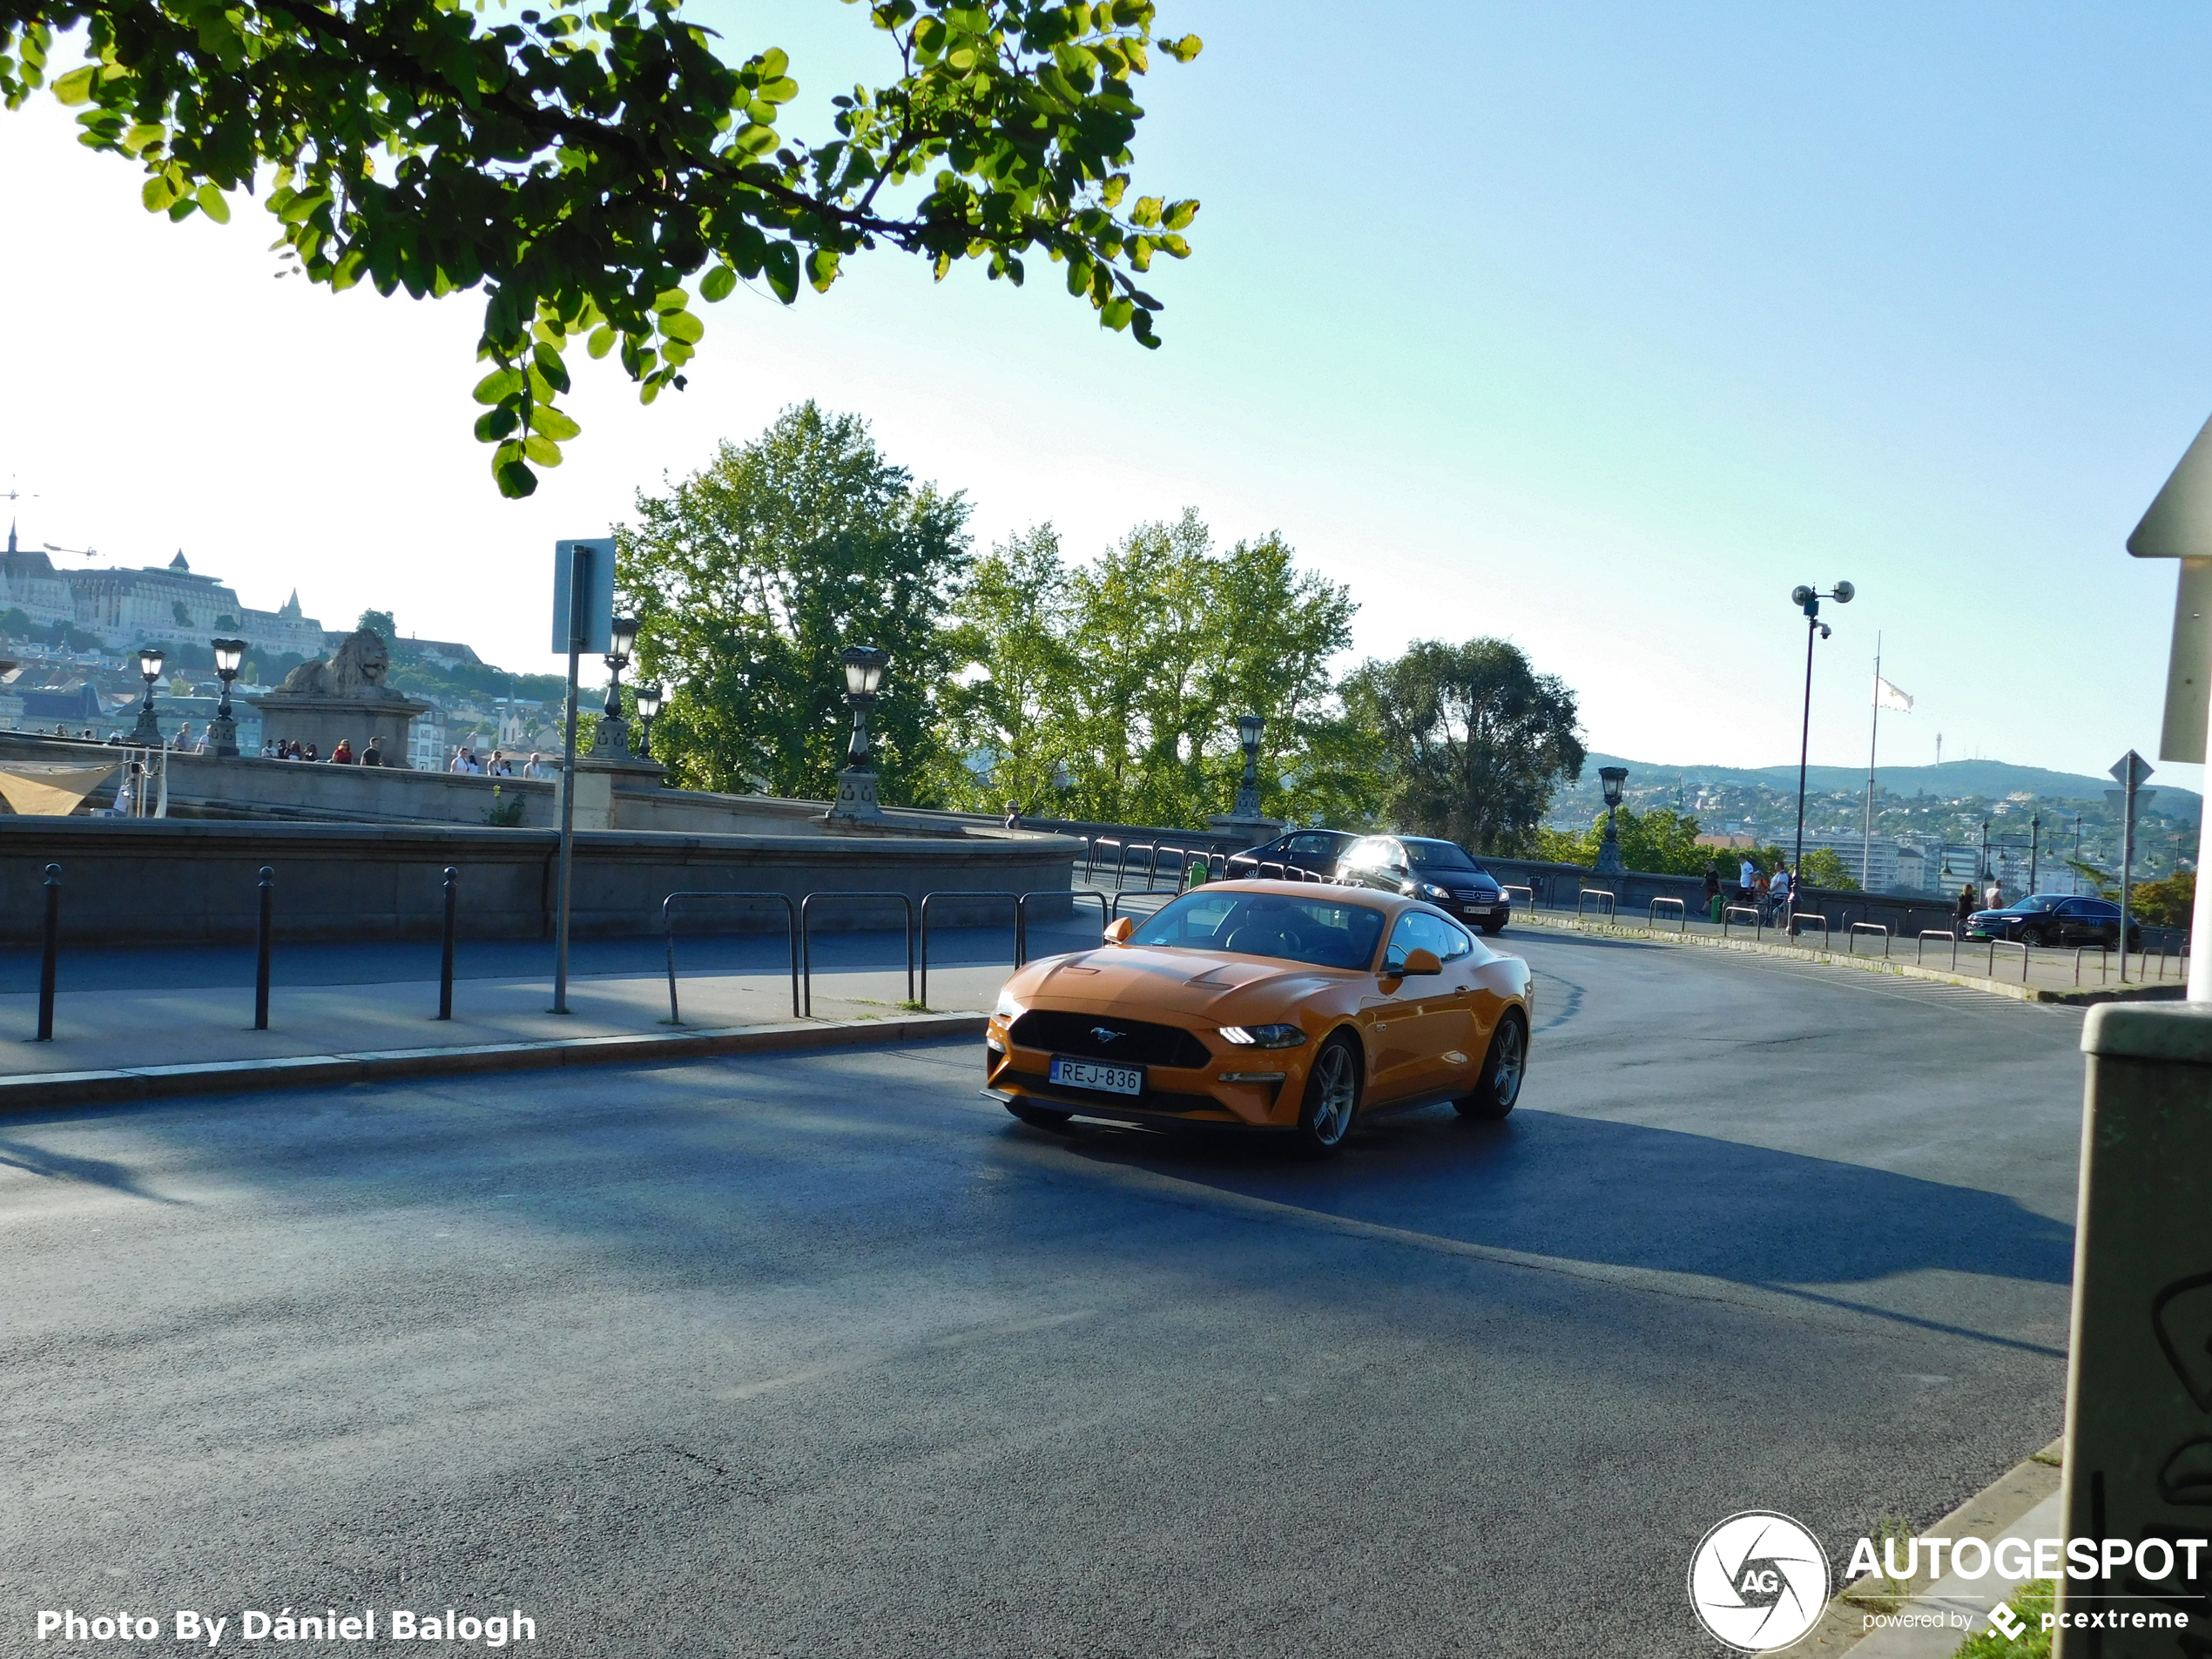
column 1092, row 1073
column 1477, row 909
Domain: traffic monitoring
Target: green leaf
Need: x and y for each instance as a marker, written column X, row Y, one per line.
column 76, row 87
column 553, row 423
column 515, row 480
column 822, row 268
column 602, row 341
column 500, row 383
column 781, row 268
column 681, row 325
column 548, row 360
column 1179, row 215
column 543, row 451
column 212, row 204
column 157, row 194
column 718, row 283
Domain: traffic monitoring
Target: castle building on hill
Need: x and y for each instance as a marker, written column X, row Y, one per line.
column 153, row 605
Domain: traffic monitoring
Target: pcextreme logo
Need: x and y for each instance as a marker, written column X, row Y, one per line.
column 1758, row 1580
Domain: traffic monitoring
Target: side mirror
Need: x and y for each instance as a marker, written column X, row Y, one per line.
column 1419, row 961
column 1120, row 931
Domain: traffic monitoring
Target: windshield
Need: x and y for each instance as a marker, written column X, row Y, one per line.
column 2030, row 906
column 1319, row 931
column 1439, row 855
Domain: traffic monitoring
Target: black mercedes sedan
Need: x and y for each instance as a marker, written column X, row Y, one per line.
column 1421, row 867
column 1314, row 851
column 2055, row 918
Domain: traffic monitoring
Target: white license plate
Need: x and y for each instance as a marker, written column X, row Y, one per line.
column 1090, row 1074
column 1477, row 909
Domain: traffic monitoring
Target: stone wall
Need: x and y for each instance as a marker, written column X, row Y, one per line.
column 141, row 881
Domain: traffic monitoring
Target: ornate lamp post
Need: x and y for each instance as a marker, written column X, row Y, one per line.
column 1608, row 852
column 222, row 730
column 613, row 738
column 648, row 700
column 1808, row 600
column 856, row 785
column 148, row 729
column 1249, row 728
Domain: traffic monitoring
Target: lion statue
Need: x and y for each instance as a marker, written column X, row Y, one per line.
column 356, row 669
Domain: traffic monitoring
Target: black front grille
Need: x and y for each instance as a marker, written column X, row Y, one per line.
column 1140, row 1043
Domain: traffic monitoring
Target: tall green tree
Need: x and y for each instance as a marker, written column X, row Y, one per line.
column 1478, row 741
column 591, row 164
column 750, row 575
column 1126, row 677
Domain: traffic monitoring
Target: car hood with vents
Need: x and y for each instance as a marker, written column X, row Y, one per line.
column 1230, row 990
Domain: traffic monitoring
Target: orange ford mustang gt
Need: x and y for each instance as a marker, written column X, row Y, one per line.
column 1270, row 1005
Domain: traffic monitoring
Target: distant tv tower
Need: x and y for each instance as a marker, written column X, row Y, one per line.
column 1938, row 748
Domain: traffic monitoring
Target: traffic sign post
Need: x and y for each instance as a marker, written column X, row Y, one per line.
column 2131, row 769
column 2178, row 526
column 583, row 612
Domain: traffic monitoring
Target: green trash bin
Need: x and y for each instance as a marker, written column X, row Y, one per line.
column 1718, row 901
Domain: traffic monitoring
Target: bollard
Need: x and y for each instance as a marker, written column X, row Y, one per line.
column 261, row 968
column 445, row 967
column 51, row 953
column 2138, row 1461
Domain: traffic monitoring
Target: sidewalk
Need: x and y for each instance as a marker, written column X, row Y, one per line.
column 2048, row 975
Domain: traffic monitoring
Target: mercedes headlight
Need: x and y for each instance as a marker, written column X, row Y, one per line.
column 1007, row 1007
column 1430, row 890
column 1262, row 1036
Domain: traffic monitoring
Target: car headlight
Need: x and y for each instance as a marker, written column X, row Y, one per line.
column 1262, row 1036
column 1430, row 890
column 1007, row 1008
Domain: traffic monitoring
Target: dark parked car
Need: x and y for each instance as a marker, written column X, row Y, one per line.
column 2050, row 919
column 1440, row 871
column 1313, row 851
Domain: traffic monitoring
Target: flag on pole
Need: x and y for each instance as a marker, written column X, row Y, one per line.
column 1887, row 696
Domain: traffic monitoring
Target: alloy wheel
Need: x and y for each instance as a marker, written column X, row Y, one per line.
column 1511, row 1058
column 1339, row 1094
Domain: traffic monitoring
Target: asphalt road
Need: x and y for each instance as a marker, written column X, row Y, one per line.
column 828, row 1356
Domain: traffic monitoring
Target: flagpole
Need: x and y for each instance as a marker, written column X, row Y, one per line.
column 1866, row 843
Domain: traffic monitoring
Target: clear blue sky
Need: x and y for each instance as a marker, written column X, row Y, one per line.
column 1600, row 328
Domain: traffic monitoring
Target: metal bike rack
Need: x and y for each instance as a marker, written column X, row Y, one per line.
column 926, row 897
column 1651, row 920
column 1581, row 903
column 2012, row 944
column 1022, row 917
column 1507, row 893
column 2104, row 961
column 807, row 939
column 1797, row 916
column 668, row 931
column 1758, row 921
column 1858, row 927
column 1921, row 939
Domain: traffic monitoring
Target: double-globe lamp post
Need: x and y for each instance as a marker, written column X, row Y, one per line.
column 1249, row 728
column 614, row 731
column 863, row 666
column 1608, row 852
column 1808, row 600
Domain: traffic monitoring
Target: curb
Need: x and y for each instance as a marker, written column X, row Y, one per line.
column 2168, row 991
column 137, row 1083
column 1984, row 1516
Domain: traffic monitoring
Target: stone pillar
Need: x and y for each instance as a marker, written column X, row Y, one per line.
column 2138, row 1373
column 856, row 801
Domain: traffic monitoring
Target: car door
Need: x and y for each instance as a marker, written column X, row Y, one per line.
column 1407, row 1021
column 1454, row 1023
column 1362, row 866
column 1311, row 852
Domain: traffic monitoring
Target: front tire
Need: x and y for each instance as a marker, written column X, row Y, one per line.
column 1332, row 1099
column 1497, row 1086
column 2032, row 938
column 1040, row 1116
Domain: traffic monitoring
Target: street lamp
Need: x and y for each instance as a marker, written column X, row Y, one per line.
column 148, row 729
column 1249, row 729
column 863, row 666
column 648, row 700
column 1808, row 600
column 222, row 736
column 613, row 737
column 1609, row 853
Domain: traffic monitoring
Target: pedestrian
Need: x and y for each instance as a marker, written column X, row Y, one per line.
column 374, row 755
column 536, row 768
column 1995, row 894
column 343, row 754
column 1014, row 814
column 501, row 768
column 1780, row 891
column 183, row 736
column 1747, row 876
column 1965, row 905
column 311, row 753
column 459, row 763
column 1713, row 892
column 268, row 748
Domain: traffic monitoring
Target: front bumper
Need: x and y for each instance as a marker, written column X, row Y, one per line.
column 1176, row 1094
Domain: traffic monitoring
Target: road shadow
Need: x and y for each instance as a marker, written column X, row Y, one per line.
column 1588, row 1190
